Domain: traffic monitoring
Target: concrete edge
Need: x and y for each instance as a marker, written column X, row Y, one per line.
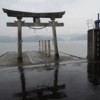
column 4, row 54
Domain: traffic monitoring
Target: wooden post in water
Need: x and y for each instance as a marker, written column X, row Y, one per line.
column 49, row 48
column 39, row 46
column 20, row 59
column 42, row 46
column 56, row 55
column 45, row 47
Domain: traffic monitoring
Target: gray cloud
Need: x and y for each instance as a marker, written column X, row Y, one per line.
column 77, row 12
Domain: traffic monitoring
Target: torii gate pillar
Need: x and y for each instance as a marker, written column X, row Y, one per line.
column 56, row 55
column 20, row 59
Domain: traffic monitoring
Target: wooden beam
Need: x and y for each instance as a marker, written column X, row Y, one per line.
column 13, row 13
column 34, row 24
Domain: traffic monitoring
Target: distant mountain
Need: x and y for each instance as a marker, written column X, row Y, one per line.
column 37, row 38
column 74, row 37
column 69, row 37
column 7, row 39
column 80, row 37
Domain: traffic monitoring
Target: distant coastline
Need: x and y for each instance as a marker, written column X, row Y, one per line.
column 71, row 37
column 7, row 39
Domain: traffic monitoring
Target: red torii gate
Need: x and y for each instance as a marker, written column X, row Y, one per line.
column 36, row 22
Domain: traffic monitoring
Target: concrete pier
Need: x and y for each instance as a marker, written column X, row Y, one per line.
column 35, row 57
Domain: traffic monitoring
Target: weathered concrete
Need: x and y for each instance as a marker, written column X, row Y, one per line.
column 33, row 58
column 10, row 59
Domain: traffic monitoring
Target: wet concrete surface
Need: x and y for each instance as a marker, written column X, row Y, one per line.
column 59, row 81
column 9, row 59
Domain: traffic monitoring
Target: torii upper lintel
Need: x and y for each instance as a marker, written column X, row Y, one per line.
column 13, row 13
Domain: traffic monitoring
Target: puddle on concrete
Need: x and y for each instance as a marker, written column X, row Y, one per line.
column 75, row 81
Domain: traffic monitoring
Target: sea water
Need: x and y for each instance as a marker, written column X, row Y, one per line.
column 77, row 48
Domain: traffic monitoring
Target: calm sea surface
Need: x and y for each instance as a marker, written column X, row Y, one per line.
column 78, row 48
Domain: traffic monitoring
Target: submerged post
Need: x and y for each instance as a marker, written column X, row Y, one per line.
column 19, row 41
column 42, row 46
column 48, row 47
column 45, row 47
column 39, row 46
column 56, row 55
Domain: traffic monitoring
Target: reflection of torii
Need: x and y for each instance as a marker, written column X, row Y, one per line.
column 40, row 96
column 22, row 77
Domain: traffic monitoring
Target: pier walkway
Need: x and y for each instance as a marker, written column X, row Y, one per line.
column 34, row 57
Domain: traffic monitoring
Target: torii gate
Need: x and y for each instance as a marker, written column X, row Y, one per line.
column 36, row 22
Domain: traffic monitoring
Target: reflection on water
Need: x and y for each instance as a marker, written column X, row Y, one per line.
column 41, row 92
column 22, row 77
column 94, row 72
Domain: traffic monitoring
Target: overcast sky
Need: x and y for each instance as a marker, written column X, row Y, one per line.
column 76, row 14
